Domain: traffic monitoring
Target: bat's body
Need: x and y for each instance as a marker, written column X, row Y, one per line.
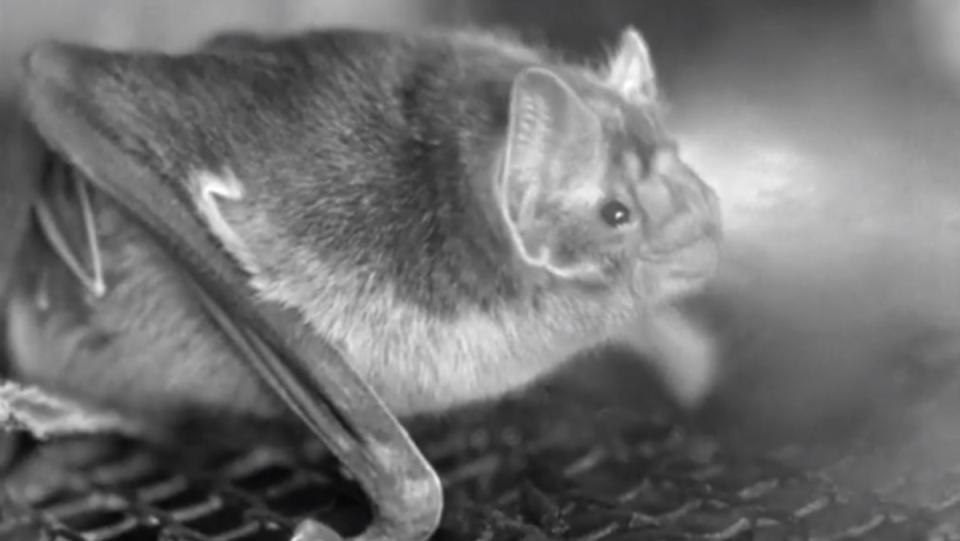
column 456, row 213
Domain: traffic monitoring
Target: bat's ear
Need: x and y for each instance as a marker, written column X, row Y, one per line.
column 101, row 107
column 630, row 70
column 551, row 167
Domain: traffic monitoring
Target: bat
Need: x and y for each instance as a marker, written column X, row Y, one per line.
column 376, row 223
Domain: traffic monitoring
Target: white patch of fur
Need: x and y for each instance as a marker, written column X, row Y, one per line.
column 207, row 188
column 416, row 361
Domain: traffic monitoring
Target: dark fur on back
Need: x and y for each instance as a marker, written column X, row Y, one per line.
column 380, row 140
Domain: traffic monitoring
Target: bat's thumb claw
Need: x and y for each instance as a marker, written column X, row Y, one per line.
column 311, row 530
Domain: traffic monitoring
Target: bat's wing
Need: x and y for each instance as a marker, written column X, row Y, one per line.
column 339, row 407
column 21, row 160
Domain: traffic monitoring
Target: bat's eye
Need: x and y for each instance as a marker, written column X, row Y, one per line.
column 615, row 214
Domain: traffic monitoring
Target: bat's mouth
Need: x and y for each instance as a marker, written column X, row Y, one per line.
column 682, row 239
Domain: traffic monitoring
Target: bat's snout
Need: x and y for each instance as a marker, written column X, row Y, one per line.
column 680, row 212
column 684, row 234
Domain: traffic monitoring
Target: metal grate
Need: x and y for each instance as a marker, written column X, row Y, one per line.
column 531, row 469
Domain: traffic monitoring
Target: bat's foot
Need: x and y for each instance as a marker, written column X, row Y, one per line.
column 406, row 511
column 311, row 530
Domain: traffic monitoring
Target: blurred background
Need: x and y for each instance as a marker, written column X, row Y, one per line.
column 830, row 129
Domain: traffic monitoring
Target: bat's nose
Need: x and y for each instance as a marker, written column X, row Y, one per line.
column 678, row 210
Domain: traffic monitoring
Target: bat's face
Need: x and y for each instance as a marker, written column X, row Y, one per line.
column 594, row 190
column 655, row 224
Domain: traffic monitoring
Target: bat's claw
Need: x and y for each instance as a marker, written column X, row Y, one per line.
column 311, row 530
column 408, row 511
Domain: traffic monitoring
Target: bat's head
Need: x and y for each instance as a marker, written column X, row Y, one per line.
column 593, row 189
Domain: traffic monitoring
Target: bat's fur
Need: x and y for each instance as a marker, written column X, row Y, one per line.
column 417, row 203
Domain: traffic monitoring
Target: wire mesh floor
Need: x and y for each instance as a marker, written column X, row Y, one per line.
column 529, row 469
